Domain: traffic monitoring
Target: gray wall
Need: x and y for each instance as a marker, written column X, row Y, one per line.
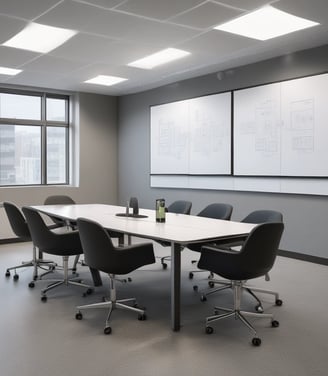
column 306, row 216
column 94, row 132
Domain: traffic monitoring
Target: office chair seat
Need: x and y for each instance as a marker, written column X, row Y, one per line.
column 255, row 259
column 102, row 255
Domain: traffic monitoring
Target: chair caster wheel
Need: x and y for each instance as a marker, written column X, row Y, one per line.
column 129, row 279
column 31, row 285
column 35, row 277
column 164, row 266
column 107, row 330
column 259, row 308
column 7, row 273
column 142, row 317
column 209, row 330
column 275, row 324
column 211, row 284
column 191, row 275
column 44, row 299
column 203, row 298
column 256, row 341
column 195, row 288
column 88, row 292
column 79, row 316
column 279, row 302
column 16, row 277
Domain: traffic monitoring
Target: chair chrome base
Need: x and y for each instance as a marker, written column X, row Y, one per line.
column 36, row 262
column 236, row 312
column 224, row 284
column 111, row 304
column 65, row 281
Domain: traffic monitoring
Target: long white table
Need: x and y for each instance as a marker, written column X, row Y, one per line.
column 178, row 230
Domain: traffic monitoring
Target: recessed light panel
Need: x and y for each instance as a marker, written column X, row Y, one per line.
column 265, row 23
column 159, row 58
column 40, row 38
column 9, row 71
column 105, row 80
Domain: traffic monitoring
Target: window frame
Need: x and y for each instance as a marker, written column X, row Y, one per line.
column 44, row 124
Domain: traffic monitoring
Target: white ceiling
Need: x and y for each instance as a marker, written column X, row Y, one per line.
column 113, row 33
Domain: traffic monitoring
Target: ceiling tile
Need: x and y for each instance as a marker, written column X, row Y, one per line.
column 52, row 64
column 158, row 9
column 205, row 16
column 9, row 27
column 86, row 48
column 114, row 24
column 27, row 9
column 246, row 4
column 13, row 57
column 106, row 4
column 216, row 42
column 314, row 10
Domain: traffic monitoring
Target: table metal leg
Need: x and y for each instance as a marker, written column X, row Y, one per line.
column 175, row 285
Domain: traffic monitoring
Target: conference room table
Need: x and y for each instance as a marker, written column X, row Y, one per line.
column 178, row 230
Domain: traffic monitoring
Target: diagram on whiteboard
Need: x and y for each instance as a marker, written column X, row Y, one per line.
column 281, row 129
column 192, row 136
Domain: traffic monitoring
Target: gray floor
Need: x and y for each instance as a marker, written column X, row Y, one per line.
column 45, row 339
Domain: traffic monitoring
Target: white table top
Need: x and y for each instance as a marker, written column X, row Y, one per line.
column 178, row 228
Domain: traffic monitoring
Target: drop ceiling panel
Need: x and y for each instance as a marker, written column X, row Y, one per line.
column 315, row 11
column 26, row 9
column 114, row 24
column 13, row 58
column 247, row 4
column 9, row 27
column 158, row 9
column 86, row 48
column 205, row 16
column 51, row 64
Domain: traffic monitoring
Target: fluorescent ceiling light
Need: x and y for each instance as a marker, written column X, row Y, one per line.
column 9, row 71
column 105, row 80
column 161, row 57
column 40, row 38
column 265, row 23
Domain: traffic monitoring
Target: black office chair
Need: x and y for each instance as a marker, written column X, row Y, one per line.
column 255, row 259
column 256, row 217
column 215, row 211
column 64, row 244
column 59, row 200
column 21, row 230
column 178, row 207
column 101, row 254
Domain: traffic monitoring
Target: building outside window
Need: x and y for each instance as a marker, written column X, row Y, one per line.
column 33, row 138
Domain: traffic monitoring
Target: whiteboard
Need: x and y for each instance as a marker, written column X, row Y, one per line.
column 192, row 136
column 281, row 129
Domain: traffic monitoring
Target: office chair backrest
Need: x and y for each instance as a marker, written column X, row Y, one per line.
column 59, row 199
column 101, row 254
column 263, row 216
column 180, row 207
column 96, row 243
column 217, row 211
column 40, row 233
column 252, row 261
column 17, row 221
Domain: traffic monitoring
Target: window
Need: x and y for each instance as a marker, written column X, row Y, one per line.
column 33, row 138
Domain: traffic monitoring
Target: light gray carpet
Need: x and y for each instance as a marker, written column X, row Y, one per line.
column 45, row 339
